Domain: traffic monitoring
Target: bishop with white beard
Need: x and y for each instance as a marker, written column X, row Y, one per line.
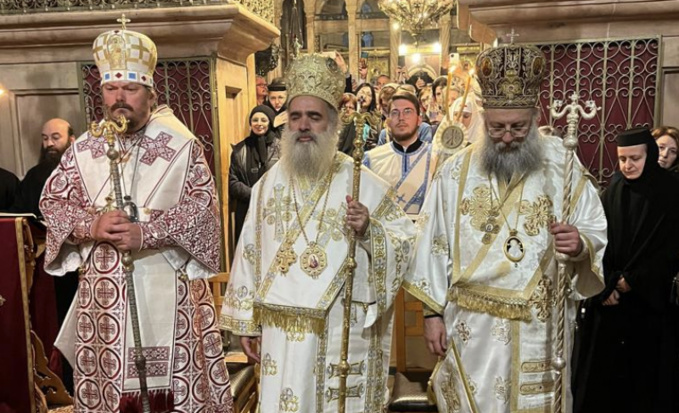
column 285, row 296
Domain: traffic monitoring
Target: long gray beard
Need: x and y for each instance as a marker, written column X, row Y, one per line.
column 308, row 160
column 521, row 158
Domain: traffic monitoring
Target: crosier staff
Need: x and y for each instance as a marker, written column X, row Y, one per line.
column 570, row 142
column 109, row 129
column 360, row 120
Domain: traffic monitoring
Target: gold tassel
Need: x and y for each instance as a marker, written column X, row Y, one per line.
column 510, row 309
column 290, row 321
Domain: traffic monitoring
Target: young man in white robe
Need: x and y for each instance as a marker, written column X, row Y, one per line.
column 405, row 162
column 288, row 280
column 173, row 240
column 485, row 262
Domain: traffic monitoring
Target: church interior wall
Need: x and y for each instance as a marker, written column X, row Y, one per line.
column 38, row 92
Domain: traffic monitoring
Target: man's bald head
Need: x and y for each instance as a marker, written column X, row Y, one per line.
column 57, row 136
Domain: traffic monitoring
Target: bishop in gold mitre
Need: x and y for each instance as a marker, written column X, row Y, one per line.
column 485, row 259
column 288, row 277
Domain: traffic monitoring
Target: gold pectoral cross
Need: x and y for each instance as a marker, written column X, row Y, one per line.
column 285, row 257
column 490, row 227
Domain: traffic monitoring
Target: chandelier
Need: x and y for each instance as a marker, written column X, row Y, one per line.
column 415, row 16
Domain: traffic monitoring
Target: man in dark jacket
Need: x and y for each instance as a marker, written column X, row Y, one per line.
column 57, row 136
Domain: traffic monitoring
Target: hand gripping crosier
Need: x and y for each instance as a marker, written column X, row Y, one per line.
column 360, row 119
column 570, row 142
column 109, row 129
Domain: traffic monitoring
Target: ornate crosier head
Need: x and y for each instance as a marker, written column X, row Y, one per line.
column 315, row 75
column 124, row 55
column 510, row 76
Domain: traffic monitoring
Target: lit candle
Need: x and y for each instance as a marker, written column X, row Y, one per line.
column 464, row 97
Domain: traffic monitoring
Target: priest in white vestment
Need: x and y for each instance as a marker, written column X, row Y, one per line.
column 170, row 225
column 405, row 162
column 288, row 277
column 485, row 265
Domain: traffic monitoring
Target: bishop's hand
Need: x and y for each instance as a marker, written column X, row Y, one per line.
column 566, row 239
column 358, row 217
column 435, row 335
column 116, row 228
column 250, row 346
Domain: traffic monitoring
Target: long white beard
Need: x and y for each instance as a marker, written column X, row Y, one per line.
column 308, row 160
column 520, row 158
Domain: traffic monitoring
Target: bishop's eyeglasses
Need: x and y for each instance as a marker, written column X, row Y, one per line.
column 515, row 131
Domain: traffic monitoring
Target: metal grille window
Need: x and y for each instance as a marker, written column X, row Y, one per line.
column 621, row 76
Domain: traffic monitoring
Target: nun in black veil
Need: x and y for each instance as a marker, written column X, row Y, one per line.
column 625, row 357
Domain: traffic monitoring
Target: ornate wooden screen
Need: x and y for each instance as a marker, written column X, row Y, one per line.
column 621, row 76
column 184, row 85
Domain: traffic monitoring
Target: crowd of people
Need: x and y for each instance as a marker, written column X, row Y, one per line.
column 460, row 204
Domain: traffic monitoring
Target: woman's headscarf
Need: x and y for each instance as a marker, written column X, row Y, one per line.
column 261, row 142
column 475, row 130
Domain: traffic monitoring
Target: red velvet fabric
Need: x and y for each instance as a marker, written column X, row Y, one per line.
column 15, row 389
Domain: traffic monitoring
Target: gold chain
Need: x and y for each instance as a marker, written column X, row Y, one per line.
column 325, row 204
column 501, row 204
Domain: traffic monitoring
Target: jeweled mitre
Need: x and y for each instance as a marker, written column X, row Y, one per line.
column 315, row 75
column 510, row 76
column 124, row 55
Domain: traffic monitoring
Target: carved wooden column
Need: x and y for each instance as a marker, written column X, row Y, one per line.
column 310, row 11
column 445, row 24
column 277, row 14
column 394, row 42
column 352, row 7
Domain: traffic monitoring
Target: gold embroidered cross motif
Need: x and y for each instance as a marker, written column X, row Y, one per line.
column 539, row 214
column 464, row 331
column 501, row 330
column 449, row 389
column 241, row 299
column 250, row 254
column 288, row 401
column 333, row 225
column 278, row 210
column 484, row 214
column 502, row 389
column 440, row 245
column 269, row 366
column 543, row 299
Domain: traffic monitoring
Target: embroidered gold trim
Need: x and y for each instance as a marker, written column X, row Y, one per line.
column 538, row 366
column 509, row 308
column 417, row 292
column 290, row 319
column 537, row 388
column 239, row 327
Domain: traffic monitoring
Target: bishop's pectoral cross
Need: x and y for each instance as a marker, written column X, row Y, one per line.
column 285, row 257
column 490, row 227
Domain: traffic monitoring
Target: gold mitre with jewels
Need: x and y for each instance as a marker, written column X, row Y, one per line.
column 315, row 75
column 124, row 55
column 510, row 76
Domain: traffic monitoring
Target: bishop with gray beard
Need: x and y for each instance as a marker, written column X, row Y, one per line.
column 484, row 263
